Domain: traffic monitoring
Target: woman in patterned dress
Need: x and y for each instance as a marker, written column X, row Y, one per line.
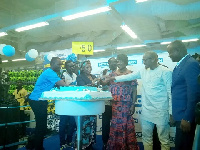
column 122, row 131
column 89, row 122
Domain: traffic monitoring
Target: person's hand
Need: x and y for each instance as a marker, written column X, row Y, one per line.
column 132, row 109
column 108, row 78
column 95, row 81
column 171, row 121
column 185, row 126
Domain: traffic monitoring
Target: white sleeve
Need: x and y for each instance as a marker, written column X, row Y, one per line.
column 167, row 77
column 128, row 77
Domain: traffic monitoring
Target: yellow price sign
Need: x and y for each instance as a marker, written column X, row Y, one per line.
column 83, row 48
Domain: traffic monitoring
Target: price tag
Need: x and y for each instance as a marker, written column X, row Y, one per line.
column 83, row 48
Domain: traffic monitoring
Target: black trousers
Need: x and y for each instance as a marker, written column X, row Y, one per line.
column 40, row 110
column 66, row 122
column 106, row 117
column 184, row 141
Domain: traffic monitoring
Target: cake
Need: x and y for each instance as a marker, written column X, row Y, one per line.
column 75, row 93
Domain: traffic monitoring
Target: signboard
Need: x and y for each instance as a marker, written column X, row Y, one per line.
column 83, row 48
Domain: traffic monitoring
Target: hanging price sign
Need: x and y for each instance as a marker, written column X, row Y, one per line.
column 83, row 48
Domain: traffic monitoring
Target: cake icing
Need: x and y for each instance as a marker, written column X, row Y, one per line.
column 76, row 93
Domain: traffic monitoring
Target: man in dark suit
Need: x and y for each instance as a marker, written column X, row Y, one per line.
column 185, row 93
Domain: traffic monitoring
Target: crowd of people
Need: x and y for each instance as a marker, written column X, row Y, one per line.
column 168, row 97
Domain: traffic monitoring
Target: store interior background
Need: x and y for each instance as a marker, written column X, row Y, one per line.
column 153, row 21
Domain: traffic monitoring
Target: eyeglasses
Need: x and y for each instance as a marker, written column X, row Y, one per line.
column 146, row 59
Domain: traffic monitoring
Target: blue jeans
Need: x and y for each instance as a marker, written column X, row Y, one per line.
column 66, row 123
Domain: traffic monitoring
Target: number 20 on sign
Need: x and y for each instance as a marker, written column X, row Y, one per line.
column 83, row 48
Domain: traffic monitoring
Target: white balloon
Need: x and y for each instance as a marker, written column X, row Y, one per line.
column 49, row 56
column 33, row 53
column 1, row 48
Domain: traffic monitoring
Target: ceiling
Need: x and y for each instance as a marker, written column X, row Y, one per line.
column 153, row 21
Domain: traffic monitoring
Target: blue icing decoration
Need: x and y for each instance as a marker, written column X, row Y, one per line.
column 77, row 88
column 88, row 96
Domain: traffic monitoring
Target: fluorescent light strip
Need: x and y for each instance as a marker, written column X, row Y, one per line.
column 164, row 43
column 19, row 59
column 87, row 13
column 190, row 40
column 3, row 34
column 41, row 24
column 140, row 1
column 101, row 50
column 129, row 31
column 125, row 47
column 3, row 61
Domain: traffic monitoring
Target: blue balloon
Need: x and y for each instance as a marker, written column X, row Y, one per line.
column 8, row 50
column 28, row 58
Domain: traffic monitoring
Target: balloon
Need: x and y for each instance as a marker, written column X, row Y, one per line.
column 8, row 50
column 1, row 48
column 50, row 56
column 33, row 53
column 28, row 58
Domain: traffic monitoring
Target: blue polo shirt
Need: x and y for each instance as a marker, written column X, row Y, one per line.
column 45, row 82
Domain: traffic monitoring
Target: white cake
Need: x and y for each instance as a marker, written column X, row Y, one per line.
column 81, row 93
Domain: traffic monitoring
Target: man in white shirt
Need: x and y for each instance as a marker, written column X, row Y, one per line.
column 156, row 99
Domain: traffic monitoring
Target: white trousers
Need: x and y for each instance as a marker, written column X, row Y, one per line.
column 147, row 135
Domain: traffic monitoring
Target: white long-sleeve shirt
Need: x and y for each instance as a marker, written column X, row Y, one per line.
column 70, row 80
column 156, row 93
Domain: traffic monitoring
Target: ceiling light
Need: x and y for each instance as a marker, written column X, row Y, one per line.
column 4, row 61
column 41, row 24
column 3, row 34
column 130, row 46
column 87, row 13
column 129, row 31
column 19, row 59
column 100, row 50
column 164, row 43
column 140, row 1
column 190, row 40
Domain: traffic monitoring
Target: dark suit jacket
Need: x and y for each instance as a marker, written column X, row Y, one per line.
column 185, row 89
column 82, row 79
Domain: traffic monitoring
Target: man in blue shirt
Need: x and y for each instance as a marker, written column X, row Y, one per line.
column 46, row 81
column 185, row 92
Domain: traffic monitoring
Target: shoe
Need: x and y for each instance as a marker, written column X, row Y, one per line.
column 68, row 145
column 63, row 147
column 71, row 144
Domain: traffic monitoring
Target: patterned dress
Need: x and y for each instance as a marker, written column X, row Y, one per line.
column 89, row 122
column 122, row 131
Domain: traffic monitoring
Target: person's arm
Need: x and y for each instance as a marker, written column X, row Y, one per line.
column 53, row 77
column 61, row 83
column 167, row 78
column 191, row 78
column 25, row 93
column 134, row 94
column 122, row 78
column 192, row 89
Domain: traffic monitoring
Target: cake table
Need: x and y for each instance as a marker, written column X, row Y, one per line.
column 79, row 108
